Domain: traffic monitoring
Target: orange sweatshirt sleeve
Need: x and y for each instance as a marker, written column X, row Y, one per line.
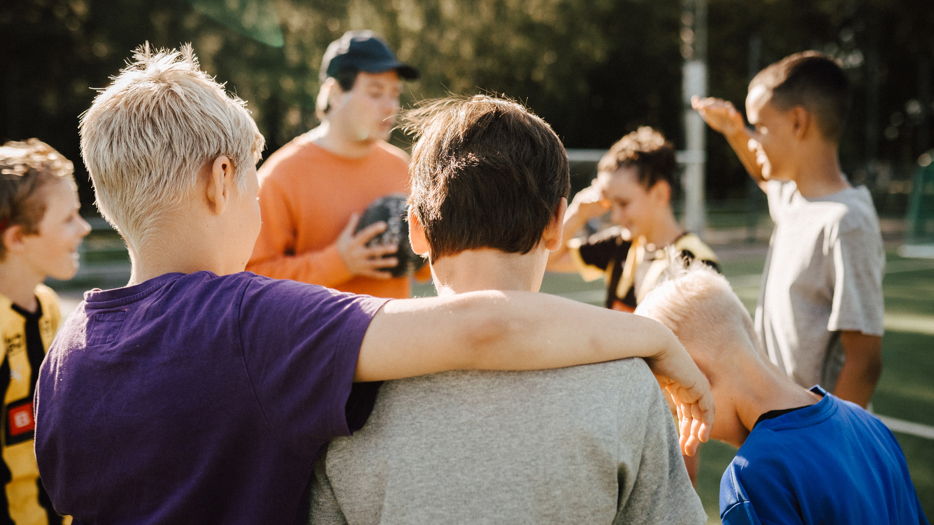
column 274, row 254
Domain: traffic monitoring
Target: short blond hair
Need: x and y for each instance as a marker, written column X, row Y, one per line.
column 147, row 136
column 699, row 306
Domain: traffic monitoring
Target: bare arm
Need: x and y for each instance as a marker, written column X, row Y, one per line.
column 862, row 367
column 527, row 331
column 723, row 117
column 587, row 204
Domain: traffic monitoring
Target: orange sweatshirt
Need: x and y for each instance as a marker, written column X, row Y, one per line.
column 307, row 194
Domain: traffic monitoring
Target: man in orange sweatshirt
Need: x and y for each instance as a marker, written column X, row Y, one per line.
column 314, row 188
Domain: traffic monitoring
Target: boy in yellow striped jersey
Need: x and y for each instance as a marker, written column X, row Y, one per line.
column 40, row 231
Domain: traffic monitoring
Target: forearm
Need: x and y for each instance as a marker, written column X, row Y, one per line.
column 560, row 259
column 503, row 331
column 861, row 369
column 739, row 141
column 324, row 267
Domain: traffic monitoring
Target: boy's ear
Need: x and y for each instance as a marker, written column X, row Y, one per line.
column 553, row 232
column 12, row 238
column 417, row 236
column 661, row 193
column 802, row 120
column 219, row 184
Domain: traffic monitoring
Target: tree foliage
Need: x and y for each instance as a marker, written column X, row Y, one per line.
column 594, row 69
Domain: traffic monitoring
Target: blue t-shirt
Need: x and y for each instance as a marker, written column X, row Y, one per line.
column 831, row 462
column 198, row 399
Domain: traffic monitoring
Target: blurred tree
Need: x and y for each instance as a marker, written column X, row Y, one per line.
column 594, row 69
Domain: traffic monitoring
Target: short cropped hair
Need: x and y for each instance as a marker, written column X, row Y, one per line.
column 25, row 169
column 700, row 307
column 148, row 135
column 814, row 81
column 647, row 150
column 485, row 173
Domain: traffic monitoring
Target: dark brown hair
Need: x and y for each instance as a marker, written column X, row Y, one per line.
column 648, row 151
column 814, row 81
column 485, row 173
column 25, row 168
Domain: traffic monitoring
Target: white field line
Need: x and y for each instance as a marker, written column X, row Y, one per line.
column 907, row 427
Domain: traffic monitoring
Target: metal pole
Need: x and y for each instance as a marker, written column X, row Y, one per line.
column 694, row 51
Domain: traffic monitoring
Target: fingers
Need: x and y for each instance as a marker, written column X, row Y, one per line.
column 363, row 236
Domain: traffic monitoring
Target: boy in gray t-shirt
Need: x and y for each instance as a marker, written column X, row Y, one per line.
column 590, row 444
column 820, row 311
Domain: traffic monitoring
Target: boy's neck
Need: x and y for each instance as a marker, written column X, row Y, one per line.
column 818, row 172
column 488, row 269
column 18, row 283
column 330, row 137
column 666, row 231
column 765, row 388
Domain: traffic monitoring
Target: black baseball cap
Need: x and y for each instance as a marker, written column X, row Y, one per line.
column 363, row 51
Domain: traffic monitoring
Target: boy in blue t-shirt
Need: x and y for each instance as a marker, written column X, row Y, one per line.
column 805, row 456
column 201, row 393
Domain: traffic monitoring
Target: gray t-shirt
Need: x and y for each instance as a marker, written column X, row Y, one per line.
column 588, row 444
column 823, row 275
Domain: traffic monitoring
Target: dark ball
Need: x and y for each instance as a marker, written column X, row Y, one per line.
column 393, row 210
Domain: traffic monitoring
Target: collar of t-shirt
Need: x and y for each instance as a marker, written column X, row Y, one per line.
column 772, row 414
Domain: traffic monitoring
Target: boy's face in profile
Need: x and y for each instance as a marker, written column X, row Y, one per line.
column 632, row 205
column 53, row 251
column 773, row 133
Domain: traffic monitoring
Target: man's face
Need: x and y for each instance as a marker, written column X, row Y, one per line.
column 53, row 251
column 774, row 134
column 368, row 111
column 631, row 204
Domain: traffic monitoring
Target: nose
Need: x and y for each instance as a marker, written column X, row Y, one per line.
column 85, row 227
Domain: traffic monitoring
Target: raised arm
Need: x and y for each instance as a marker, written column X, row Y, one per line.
column 723, row 117
column 527, row 331
column 587, row 204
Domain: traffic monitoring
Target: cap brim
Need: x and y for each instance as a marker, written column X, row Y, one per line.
column 405, row 71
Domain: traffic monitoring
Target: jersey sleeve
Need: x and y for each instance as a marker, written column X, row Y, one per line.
column 592, row 256
column 858, row 266
column 735, row 507
column 662, row 491
column 274, row 253
column 300, row 346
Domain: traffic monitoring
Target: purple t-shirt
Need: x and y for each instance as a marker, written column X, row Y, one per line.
column 198, row 399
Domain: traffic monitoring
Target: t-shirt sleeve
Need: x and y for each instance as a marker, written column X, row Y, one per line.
column 662, row 491
column 300, row 345
column 858, row 265
column 592, row 256
column 735, row 507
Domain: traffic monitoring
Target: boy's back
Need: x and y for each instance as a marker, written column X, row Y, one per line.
column 223, row 380
column 588, row 444
column 592, row 444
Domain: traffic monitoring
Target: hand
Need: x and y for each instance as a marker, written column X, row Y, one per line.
column 719, row 114
column 361, row 259
column 677, row 373
column 589, row 202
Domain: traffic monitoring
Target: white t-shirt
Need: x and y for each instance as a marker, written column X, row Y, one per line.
column 823, row 275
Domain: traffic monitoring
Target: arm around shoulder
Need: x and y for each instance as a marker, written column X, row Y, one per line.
column 526, row 331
